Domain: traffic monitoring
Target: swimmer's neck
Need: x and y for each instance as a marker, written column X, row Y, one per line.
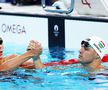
column 93, row 66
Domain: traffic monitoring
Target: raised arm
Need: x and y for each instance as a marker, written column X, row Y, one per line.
column 36, row 59
column 15, row 62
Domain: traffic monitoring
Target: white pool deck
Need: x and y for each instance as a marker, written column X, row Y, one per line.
column 36, row 9
column 34, row 29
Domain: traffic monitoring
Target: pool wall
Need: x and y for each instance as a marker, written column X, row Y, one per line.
column 50, row 30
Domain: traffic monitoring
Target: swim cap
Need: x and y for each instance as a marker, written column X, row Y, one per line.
column 98, row 45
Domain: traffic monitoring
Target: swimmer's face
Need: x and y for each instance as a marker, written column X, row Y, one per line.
column 86, row 53
column 1, row 50
column 1, row 47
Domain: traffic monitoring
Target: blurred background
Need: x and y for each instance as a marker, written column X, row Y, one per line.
column 27, row 2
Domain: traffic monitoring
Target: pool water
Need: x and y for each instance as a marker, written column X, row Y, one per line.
column 52, row 77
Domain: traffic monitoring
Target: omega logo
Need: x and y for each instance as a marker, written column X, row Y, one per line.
column 14, row 28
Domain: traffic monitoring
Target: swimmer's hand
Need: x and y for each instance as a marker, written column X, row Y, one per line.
column 34, row 45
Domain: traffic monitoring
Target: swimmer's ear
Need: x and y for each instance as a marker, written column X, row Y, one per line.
column 97, row 56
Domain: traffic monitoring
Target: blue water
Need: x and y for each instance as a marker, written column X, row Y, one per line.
column 51, row 78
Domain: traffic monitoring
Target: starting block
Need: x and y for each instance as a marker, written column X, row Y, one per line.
column 92, row 7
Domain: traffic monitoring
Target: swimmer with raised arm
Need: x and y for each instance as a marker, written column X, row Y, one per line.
column 90, row 54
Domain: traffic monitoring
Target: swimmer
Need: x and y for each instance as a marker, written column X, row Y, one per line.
column 90, row 54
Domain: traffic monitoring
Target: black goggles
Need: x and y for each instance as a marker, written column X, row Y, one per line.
column 85, row 44
column 1, row 41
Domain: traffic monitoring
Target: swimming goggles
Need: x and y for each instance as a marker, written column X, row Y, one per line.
column 1, row 41
column 86, row 44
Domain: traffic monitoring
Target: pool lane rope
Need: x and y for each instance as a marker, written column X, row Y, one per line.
column 71, row 61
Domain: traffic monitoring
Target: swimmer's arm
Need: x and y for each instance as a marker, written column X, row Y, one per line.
column 32, row 64
column 38, row 63
column 28, row 64
column 15, row 62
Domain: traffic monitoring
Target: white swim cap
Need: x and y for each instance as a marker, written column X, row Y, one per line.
column 98, row 45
